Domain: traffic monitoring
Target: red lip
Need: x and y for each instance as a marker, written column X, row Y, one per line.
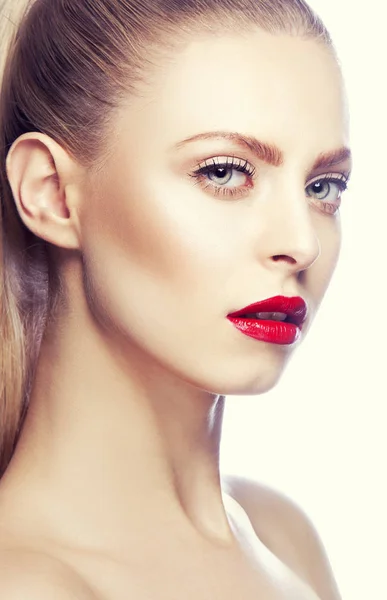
column 276, row 332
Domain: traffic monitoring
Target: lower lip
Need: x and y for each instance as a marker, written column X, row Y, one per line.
column 274, row 332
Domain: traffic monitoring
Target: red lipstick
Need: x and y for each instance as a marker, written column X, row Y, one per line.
column 277, row 320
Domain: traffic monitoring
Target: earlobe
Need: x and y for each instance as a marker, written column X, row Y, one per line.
column 39, row 172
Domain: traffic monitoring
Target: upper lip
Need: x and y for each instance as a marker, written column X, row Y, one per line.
column 294, row 307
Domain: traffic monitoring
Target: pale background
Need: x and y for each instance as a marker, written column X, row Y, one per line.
column 321, row 434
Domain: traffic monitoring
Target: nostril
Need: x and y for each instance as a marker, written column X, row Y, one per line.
column 285, row 258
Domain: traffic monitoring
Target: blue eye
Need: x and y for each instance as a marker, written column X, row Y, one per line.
column 327, row 191
column 227, row 176
column 221, row 174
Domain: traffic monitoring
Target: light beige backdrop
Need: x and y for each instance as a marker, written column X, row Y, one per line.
column 329, row 411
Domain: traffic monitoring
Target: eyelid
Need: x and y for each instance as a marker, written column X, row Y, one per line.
column 338, row 179
column 231, row 161
column 343, row 176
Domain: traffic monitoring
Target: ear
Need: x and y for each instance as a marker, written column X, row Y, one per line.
column 45, row 183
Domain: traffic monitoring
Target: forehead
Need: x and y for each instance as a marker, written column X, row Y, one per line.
column 283, row 89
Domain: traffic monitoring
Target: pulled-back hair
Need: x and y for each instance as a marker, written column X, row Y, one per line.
column 68, row 65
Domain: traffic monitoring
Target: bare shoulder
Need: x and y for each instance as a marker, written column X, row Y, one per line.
column 287, row 532
column 29, row 575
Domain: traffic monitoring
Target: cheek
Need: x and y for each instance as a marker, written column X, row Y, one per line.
column 157, row 260
column 156, row 248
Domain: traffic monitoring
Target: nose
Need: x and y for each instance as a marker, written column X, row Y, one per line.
column 292, row 241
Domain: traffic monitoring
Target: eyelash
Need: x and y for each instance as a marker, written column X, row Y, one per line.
column 243, row 166
column 229, row 163
column 339, row 179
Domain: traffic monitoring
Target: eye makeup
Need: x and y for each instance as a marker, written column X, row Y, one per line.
column 326, row 191
column 215, row 174
column 233, row 177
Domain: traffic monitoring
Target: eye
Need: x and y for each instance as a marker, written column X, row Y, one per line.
column 227, row 176
column 221, row 175
column 327, row 191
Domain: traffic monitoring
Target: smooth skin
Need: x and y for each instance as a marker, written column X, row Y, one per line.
column 114, row 491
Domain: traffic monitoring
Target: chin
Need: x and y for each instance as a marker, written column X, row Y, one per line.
column 260, row 385
column 247, row 381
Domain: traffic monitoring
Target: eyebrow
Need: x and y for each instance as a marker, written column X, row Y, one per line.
column 269, row 153
column 330, row 159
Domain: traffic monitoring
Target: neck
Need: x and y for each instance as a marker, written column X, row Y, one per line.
column 112, row 443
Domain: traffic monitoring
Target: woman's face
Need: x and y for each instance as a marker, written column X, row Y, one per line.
column 222, row 190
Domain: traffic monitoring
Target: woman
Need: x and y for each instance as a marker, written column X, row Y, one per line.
column 171, row 175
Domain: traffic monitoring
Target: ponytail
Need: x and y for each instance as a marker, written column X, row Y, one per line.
column 11, row 13
column 13, row 339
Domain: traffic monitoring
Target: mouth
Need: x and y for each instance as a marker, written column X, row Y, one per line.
column 277, row 320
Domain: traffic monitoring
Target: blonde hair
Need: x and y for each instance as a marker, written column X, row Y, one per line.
column 67, row 64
